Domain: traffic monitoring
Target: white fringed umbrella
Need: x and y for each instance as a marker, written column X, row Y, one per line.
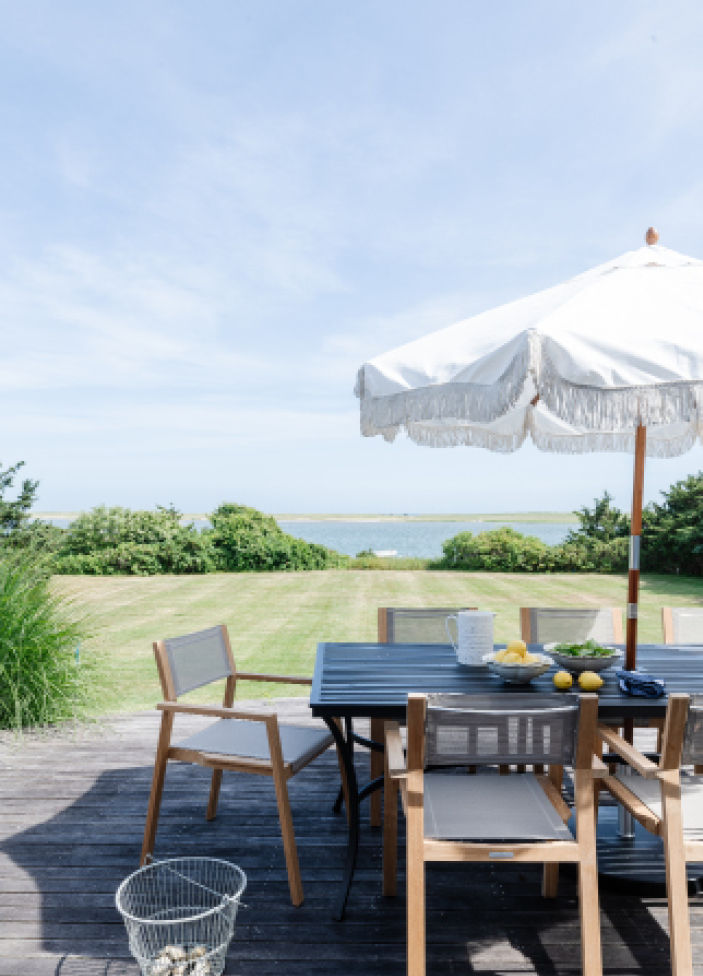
column 611, row 360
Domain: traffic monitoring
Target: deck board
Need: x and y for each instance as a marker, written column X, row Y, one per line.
column 71, row 818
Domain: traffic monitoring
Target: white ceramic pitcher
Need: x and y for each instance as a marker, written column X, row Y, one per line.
column 474, row 636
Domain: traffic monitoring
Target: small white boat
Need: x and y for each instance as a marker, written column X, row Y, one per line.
column 385, row 552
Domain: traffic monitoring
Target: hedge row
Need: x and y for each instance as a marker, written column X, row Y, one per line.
column 118, row 541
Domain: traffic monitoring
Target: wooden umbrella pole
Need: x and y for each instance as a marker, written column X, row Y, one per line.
column 633, row 585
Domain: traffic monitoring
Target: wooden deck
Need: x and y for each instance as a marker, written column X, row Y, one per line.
column 71, row 819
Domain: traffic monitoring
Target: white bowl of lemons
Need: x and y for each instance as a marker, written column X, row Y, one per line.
column 516, row 665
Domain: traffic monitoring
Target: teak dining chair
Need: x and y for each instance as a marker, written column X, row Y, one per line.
column 541, row 625
column 414, row 625
column 669, row 805
column 404, row 625
column 241, row 741
column 682, row 625
column 489, row 817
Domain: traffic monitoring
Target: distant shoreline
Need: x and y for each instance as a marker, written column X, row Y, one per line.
column 561, row 517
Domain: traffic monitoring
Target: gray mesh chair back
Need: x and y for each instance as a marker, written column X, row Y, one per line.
column 425, row 625
column 683, row 625
column 198, row 659
column 693, row 738
column 543, row 625
column 499, row 729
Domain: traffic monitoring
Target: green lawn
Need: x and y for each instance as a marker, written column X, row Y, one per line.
column 276, row 619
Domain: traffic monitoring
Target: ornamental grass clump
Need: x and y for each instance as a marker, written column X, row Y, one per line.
column 41, row 681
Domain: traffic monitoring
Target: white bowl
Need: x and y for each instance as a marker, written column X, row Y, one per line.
column 578, row 664
column 518, row 674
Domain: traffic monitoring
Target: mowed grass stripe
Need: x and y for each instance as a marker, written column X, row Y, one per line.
column 277, row 619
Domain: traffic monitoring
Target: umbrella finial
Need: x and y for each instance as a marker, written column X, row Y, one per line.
column 652, row 235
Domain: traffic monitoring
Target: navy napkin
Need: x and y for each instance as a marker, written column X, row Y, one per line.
column 641, row 685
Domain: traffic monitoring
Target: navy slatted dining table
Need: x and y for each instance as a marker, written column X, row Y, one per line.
column 374, row 680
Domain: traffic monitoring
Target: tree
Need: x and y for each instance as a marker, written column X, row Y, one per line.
column 673, row 530
column 603, row 522
column 14, row 515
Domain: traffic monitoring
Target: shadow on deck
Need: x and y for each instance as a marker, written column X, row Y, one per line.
column 72, row 815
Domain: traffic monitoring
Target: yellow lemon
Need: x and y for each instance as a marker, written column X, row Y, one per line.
column 510, row 657
column 499, row 656
column 590, row 681
column 563, row 680
column 530, row 659
column 517, row 647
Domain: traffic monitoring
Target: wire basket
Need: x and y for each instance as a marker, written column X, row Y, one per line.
column 180, row 915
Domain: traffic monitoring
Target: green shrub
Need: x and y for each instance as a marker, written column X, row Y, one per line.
column 40, row 680
column 117, row 541
column 365, row 561
column 500, row 550
column 38, row 537
column 507, row 551
column 246, row 540
column 673, row 531
column 591, row 556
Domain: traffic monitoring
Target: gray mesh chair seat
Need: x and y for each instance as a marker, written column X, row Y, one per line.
column 483, row 808
column 683, row 625
column 235, row 738
column 415, row 625
column 648, row 791
column 542, row 625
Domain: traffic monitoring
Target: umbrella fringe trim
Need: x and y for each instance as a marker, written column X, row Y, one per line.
column 601, row 410
column 620, row 442
column 477, row 402
column 428, row 436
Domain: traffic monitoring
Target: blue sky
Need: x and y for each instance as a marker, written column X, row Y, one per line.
column 211, row 214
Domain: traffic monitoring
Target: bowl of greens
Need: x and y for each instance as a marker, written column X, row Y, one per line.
column 585, row 656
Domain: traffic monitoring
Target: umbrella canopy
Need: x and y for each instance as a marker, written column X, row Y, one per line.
column 576, row 367
column 611, row 360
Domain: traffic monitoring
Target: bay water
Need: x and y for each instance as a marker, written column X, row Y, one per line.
column 422, row 539
column 406, row 538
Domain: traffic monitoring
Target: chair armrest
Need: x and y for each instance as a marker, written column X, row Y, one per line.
column 632, row 757
column 599, row 768
column 285, row 679
column 395, row 754
column 215, row 711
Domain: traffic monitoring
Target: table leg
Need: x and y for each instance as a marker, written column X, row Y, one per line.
column 376, row 771
column 345, row 746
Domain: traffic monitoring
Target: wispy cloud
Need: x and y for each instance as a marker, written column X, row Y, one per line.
column 207, row 224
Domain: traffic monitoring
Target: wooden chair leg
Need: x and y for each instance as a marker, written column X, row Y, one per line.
column 157, row 785
column 390, row 834
column 550, row 879
column 287, row 833
column 415, row 837
column 415, row 871
column 550, row 872
column 591, row 952
column 376, row 771
column 676, row 882
column 215, row 784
